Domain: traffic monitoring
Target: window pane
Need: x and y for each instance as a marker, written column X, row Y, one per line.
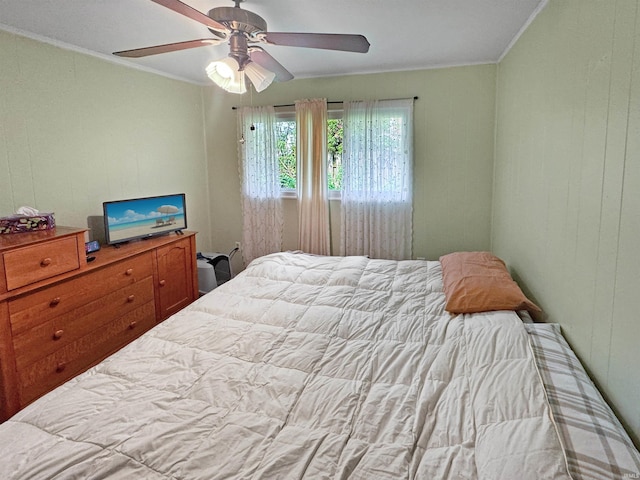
column 286, row 131
column 334, row 153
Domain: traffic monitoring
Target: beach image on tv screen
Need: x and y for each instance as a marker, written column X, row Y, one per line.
column 145, row 217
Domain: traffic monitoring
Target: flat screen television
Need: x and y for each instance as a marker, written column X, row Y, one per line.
column 137, row 218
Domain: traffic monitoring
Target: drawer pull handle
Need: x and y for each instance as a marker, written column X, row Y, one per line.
column 57, row 335
column 131, row 298
column 54, row 302
column 129, row 272
column 45, row 261
column 60, row 367
column 132, row 325
column 162, row 283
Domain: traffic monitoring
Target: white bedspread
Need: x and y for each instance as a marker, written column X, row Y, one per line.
column 303, row 367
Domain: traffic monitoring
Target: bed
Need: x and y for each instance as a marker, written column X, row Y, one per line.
column 319, row 367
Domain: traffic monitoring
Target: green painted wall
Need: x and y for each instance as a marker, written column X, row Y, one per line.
column 566, row 202
column 76, row 131
column 454, row 125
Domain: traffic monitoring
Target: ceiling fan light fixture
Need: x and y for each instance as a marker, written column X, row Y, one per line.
column 259, row 76
column 225, row 74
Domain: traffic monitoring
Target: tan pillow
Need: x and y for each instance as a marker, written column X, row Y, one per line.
column 480, row 282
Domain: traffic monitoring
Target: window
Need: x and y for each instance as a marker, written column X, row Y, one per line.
column 335, row 137
column 286, row 132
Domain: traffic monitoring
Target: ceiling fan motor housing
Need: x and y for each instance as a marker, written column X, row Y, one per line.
column 243, row 25
column 237, row 19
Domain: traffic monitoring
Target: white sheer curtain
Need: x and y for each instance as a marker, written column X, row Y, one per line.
column 376, row 206
column 313, row 196
column 262, row 218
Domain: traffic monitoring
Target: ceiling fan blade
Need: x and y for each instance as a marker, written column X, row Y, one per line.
column 265, row 60
column 327, row 41
column 169, row 47
column 192, row 13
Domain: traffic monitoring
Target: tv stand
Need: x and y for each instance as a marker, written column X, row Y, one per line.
column 60, row 315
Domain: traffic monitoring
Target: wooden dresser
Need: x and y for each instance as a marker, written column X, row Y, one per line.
column 60, row 315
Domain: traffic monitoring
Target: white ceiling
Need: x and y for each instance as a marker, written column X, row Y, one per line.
column 404, row 34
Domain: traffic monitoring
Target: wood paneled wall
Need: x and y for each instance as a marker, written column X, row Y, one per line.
column 566, row 206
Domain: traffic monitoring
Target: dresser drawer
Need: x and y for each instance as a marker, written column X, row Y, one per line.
column 31, row 264
column 28, row 311
column 52, row 335
column 45, row 374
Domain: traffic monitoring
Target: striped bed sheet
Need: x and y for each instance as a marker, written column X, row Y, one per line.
column 595, row 443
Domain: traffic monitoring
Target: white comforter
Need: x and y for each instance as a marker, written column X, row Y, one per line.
column 303, row 367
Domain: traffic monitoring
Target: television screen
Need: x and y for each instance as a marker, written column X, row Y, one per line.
column 135, row 218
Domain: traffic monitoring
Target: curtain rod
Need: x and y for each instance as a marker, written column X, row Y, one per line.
column 336, row 101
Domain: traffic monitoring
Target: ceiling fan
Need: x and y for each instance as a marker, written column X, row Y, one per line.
column 243, row 30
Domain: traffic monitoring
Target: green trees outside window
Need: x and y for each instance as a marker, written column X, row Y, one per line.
column 334, row 153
